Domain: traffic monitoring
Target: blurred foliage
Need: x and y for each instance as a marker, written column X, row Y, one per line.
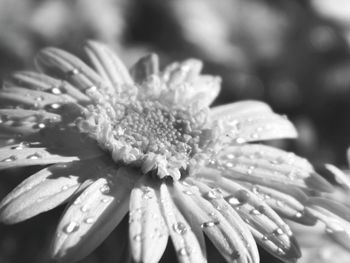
column 291, row 54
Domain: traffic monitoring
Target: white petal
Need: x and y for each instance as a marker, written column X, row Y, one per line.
column 267, row 165
column 186, row 244
column 335, row 216
column 107, row 64
column 220, row 231
column 340, row 177
column 41, row 192
column 64, row 64
column 93, row 215
column 260, row 216
column 41, row 82
column 248, row 121
column 148, row 233
column 145, row 67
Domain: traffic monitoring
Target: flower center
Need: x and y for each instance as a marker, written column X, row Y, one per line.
column 150, row 127
column 148, row 134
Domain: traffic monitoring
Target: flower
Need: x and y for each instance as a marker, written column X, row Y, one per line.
column 146, row 142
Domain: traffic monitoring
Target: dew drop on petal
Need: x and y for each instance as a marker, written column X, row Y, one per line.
column 147, row 193
column 280, row 251
column 55, row 106
column 232, row 200
column 298, row 214
column 278, row 232
column 41, row 125
column 84, row 208
column 89, row 220
column 240, row 140
column 64, row 188
column 215, row 193
column 105, row 189
column 180, row 228
column 10, row 159
column 56, row 91
column 137, row 237
column 255, row 212
column 242, row 196
column 73, row 72
column 264, row 238
column 77, row 201
column 185, row 251
column 210, row 224
column 34, row 156
column 71, row 227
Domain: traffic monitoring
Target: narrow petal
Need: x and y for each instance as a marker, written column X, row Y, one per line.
column 92, row 216
column 340, row 177
column 42, row 191
column 287, row 202
column 335, row 216
column 23, row 154
column 107, row 64
column 215, row 197
column 148, row 233
column 187, row 246
column 260, row 216
column 267, row 165
column 226, row 238
column 249, row 121
column 25, row 122
column 66, row 65
column 38, row 81
column 144, row 67
column 32, row 99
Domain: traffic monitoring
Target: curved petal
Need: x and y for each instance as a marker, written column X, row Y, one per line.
column 25, row 122
column 148, row 233
column 41, row 82
column 185, row 241
column 66, row 65
column 92, row 216
column 267, row 165
column 270, row 230
column 215, row 197
column 41, row 192
column 145, row 67
column 220, row 231
column 33, row 99
column 335, row 216
column 107, row 64
column 340, row 177
column 249, row 121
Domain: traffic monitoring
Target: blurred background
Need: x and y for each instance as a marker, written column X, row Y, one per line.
column 295, row 55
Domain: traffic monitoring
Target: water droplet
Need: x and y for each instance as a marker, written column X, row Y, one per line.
column 77, row 201
column 231, row 156
column 73, row 72
column 264, row 238
column 215, row 193
column 40, row 98
column 280, row 251
column 229, row 165
column 147, row 193
column 55, row 106
column 279, row 203
column 299, row 214
column 242, row 196
column 185, row 251
column 278, row 232
column 21, row 146
column 187, row 192
column 255, row 212
column 137, row 237
column 105, row 200
column 232, row 200
column 10, row 159
column 254, row 135
column 65, row 187
column 84, row 208
column 71, row 227
column 180, row 228
column 240, row 140
column 89, row 220
column 210, row 224
column 34, row 156
column 41, row 125
column 105, row 189
column 56, row 90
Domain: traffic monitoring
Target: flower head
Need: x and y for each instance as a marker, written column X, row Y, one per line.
column 144, row 141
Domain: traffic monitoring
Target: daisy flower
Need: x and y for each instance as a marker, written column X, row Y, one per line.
column 144, row 142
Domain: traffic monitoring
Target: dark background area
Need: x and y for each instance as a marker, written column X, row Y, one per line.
column 292, row 54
